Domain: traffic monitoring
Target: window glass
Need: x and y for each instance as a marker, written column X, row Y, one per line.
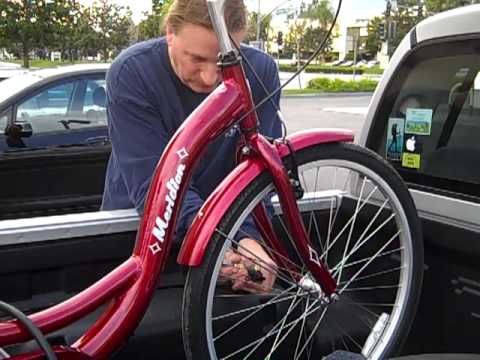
column 47, row 110
column 76, row 105
column 94, row 107
column 428, row 125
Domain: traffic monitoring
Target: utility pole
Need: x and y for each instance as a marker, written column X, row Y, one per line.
column 355, row 45
column 259, row 22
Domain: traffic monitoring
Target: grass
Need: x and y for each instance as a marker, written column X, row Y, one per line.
column 290, row 92
column 326, row 69
column 337, row 85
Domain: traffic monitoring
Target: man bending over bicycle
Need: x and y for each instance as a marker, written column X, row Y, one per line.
column 152, row 87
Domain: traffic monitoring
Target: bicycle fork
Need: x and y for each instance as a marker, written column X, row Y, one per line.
column 286, row 194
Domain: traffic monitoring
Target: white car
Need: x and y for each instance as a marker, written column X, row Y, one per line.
column 8, row 70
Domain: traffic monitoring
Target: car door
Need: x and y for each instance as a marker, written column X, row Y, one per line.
column 55, row 149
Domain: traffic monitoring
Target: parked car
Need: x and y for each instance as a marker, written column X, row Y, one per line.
column 53, row 140
column 8, row 70
column 336, row 63
column 347, row 63
column 361, row 63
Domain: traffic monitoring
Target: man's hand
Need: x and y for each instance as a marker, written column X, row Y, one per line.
column 250, row 268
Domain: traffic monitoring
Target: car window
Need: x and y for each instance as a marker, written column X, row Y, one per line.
column 428, row 126
column 75, row 105
column 47, row 110
column 94, row 107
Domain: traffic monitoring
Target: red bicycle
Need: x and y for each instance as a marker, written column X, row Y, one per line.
column 336, row 218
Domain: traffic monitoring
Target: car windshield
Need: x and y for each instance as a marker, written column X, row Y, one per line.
column 15, row 84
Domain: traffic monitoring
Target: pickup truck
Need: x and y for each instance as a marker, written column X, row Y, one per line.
column 429, row 94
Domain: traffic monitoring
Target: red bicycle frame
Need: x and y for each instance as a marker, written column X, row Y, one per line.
column 130, row 286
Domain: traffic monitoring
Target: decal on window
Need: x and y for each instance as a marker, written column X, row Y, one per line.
column 395, row 135
column 419, row 121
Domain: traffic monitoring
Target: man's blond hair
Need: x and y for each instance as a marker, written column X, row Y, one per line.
column 195, row 12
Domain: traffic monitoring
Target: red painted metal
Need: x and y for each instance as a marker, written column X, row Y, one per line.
column 266, row 230
column 62, row 352
column 302, row 139
column 237, row 75
column 76, row 307
column 170, row 181
column 213, row 210
column 291, row 213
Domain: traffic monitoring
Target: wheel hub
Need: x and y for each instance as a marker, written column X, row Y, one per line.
column 308, row 284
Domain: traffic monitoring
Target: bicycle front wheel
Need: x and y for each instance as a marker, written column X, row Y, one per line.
column 362, row 223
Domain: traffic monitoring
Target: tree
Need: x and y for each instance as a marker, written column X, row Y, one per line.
column 321, row 11
column 111, row 24
column 66, row 16
column 404, row 18
column 436, row 6
column 26, row 25
column 294, row 43
column 373, row 42
column 265, row 21
column 311, row 40
column 152, row 26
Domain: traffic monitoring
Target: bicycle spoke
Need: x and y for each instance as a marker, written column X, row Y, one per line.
column 339, row 327
column 292, row 324
column 377, row 304
column 317, row 229
column 347, row 224
column 275, row 342
column 302, row 328
column 379, row 273
column 335, row 269
column 271, row 333
column 353, row 263
column 361, row 306
column 349, row 238
column 372, row 288
column 370, row 261
column 312, row 333
column 259, row 307
column 292, row 242
column 377, row 214
column 305, row 182
column 330, row 220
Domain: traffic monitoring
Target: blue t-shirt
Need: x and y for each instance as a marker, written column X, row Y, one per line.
column 146, row 103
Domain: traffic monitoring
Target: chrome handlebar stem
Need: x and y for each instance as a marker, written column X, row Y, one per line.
column 217, row 15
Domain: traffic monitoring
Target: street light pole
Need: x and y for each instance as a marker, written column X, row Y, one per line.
column 259, row 22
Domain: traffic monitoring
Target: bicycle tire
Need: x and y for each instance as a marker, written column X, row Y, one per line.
column 203, row 301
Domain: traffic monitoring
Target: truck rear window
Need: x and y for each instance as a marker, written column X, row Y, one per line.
column 428, row 123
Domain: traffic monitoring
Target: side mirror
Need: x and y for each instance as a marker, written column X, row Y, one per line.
column 19, row 130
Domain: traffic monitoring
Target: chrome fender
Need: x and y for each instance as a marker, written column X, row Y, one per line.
column 220, row 200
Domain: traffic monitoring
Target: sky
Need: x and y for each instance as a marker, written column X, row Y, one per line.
column 351, row 9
